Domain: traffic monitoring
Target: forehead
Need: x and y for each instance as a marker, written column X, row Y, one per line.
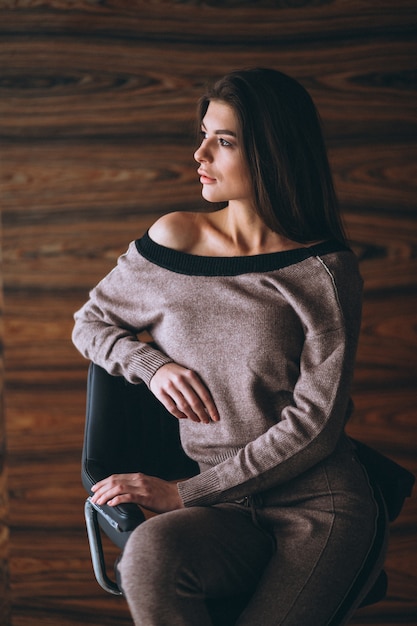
column 220, row 115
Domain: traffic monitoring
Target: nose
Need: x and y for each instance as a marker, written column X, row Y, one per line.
column 202, row 153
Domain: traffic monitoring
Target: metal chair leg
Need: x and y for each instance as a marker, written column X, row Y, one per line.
column 96, row 550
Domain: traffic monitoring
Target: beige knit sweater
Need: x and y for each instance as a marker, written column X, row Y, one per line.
column 273, row 337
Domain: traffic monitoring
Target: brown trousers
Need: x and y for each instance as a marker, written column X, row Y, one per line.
column 290, row 558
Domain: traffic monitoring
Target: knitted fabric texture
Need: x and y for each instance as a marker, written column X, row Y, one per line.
column 273, row 337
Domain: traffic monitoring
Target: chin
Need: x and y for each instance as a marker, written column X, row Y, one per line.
column 212, row 197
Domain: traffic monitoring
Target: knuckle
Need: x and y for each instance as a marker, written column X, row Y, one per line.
column 195, row 404
column 190, row 375
column 182, row 407
column 184, row 374
column 146, row 491
column 170, row 385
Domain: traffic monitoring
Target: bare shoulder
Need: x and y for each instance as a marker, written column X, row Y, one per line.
column 178, row 230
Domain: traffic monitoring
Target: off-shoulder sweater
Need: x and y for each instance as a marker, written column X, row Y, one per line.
column 273, row 336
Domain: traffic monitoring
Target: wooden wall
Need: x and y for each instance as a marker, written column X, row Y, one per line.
column 5, row 605
column 97, row 106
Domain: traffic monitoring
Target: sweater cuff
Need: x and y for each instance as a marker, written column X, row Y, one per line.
column 201, row 490
column 144, row 363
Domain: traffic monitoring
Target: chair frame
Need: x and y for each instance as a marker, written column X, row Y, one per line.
column 91, row 515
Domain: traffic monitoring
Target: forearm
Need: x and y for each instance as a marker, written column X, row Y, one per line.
column 117, row 350
column 258, row 467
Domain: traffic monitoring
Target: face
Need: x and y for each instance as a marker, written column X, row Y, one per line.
column 223, row 170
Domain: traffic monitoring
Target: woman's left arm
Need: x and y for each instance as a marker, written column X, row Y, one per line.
column 310, row 426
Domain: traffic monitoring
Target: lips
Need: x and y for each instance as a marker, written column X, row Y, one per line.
column 204, row 178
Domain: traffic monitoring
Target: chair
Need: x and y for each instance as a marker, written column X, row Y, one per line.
column 128, row 430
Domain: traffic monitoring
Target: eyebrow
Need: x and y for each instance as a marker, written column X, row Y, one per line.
column 221, row 131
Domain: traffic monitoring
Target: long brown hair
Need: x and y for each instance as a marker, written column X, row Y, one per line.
column 283, row 144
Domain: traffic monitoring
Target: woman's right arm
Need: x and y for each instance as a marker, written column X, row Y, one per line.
column 106, row 330
column 106, row 327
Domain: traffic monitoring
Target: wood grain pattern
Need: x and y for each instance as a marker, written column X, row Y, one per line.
column 151, row 87
column 97, row 101
column 5, row 605
column 210, row 20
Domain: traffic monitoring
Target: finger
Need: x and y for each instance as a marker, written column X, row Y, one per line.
column 192, row 405
column 197, row 397
column 189, row 404
column 103, row 494
column 119, row 493
column 202, row 401
column 106, row 489
column 207, row 401
column 120, row 499
column 177, row 406
column 109, row 481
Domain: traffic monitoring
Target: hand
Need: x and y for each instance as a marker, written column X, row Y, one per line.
column 183, row 394
column 150, row 492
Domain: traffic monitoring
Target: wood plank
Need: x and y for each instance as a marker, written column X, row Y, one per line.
column 382, row 176
column 56, row 585
column 385, row 245
column 210, row 21
column 386, row 417
column 72, row 180
column 388, row 342
column 84, row 86
column 5, row 606
column 68, row 181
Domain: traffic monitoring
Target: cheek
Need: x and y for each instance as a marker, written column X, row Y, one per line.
column 241, row 170
column 242, row 180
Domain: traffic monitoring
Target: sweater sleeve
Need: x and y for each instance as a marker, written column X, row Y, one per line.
column 106, row 327
column 311, row 425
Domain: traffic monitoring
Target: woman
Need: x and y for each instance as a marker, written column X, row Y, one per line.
column 255, row 310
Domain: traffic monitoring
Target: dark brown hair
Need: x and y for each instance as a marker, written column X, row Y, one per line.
column 282, row 140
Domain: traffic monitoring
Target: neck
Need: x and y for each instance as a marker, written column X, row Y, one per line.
column 245, row 233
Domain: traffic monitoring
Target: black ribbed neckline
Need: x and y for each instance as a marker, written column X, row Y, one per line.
column 195, row 265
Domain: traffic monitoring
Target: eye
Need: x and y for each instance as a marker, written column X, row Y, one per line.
column 225, row 143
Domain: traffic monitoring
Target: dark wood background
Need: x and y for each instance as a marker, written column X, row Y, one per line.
column 96, row 125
